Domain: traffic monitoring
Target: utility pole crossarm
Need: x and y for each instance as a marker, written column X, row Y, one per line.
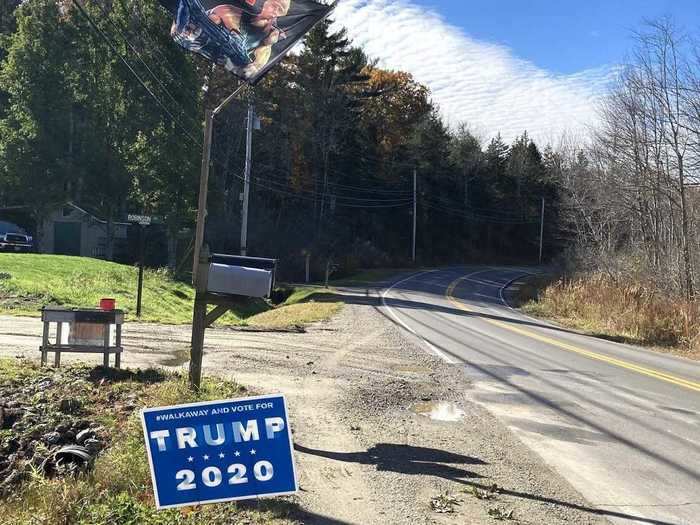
column 228, row 99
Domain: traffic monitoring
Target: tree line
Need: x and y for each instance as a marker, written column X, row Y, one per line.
column 630, row 198
column 104, row 110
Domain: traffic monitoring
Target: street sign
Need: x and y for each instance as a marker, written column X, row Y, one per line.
column 219, row 451
column 143, row 220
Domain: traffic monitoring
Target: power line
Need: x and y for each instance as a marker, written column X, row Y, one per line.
column 363, row 154
column 129, row 67
column 174, row 76
column 336, row 195
column 167, row 92
column 165, row 61
column 461, row 207
column 110, row 43
column 338, row 204
column 150, row 71
column 477, row 217
column 364, row 189
column 269, row 184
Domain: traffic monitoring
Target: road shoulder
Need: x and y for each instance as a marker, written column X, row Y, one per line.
column 360, row 392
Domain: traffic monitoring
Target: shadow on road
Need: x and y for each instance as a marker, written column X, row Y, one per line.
column 348, row 297
column 288, row 509
column 612, row 434
column 407, row 459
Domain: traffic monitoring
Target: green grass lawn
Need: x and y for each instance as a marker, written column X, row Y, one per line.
column 30, row 281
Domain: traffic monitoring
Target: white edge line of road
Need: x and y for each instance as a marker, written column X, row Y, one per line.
column 516, row 310
column 507, row 304
column 431, row 348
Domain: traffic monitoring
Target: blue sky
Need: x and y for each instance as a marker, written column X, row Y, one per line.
column 563, row 36
column 508, row 66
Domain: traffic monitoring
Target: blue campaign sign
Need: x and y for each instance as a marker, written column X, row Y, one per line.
column 220, row 451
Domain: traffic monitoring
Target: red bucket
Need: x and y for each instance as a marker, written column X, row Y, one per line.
column 108, row 304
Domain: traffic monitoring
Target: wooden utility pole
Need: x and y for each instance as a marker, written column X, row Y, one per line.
column 203, row 190
column 201, row 252
column 542, row 231
column 415, row 213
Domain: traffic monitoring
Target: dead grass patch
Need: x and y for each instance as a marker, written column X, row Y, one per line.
column 300, row 314
column 622, row 310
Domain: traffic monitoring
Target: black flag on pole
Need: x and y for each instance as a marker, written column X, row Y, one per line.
column 247, row 37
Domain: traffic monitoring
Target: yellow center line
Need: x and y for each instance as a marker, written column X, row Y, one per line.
column 663, row 376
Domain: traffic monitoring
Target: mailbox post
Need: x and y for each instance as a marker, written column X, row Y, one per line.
column 220, row 281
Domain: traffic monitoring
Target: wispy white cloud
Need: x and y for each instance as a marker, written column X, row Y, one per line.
column 479, row 83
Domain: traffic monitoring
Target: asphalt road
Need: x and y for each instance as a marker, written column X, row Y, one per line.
column 621, row 424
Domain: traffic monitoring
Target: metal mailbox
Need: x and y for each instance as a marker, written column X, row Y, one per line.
column 241, row 276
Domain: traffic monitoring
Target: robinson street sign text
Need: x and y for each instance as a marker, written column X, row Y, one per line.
column 143, row 220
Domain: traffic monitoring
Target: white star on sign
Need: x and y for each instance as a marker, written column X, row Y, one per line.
column 190, row 459
column 236, row 453
column 252, row 452
column 206, row 458
column 222, row 455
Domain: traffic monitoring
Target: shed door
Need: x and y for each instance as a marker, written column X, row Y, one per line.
column 67, row 238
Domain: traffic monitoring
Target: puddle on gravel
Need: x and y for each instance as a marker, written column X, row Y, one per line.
column 439, row 411
column 177, row 358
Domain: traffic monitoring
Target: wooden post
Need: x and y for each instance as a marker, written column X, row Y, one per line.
column 201, row 253
column 198, row 326
column 59, row 334
column 199, row 312
column 118, row 344
column 106, row 346
column 142, row 249
column 199, row 319
column 45, row 343
column 203, row 189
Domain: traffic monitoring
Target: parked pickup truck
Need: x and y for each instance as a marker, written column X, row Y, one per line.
column 14, row 239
